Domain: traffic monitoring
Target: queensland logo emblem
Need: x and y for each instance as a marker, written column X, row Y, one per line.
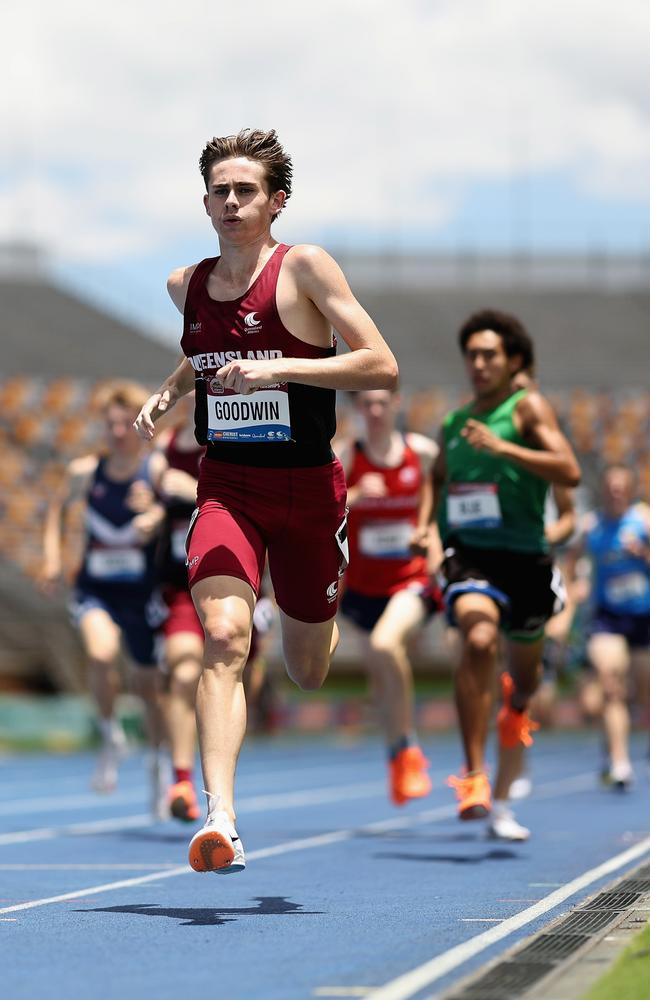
column 252, row 323
column 216, row 387
column 332, row 591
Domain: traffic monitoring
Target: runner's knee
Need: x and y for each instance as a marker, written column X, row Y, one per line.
column 226, row 642
column 481, row 639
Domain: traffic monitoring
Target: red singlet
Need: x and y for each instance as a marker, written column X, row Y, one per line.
column 379, row 528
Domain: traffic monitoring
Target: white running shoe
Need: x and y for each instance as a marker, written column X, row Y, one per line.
column 159, row 781
column 112, row 753
column 521, row 787
column 217, row 847
column 502, row 825
column 621, row 775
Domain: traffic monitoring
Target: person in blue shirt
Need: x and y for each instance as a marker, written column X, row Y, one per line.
column 616, row 538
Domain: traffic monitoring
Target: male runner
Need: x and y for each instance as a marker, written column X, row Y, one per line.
column 112, row 599
column 258, row 338
column 387, row 592
column 617, row 540
column 498, row 454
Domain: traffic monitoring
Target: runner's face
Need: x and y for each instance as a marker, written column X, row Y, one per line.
column 488, row 367
column 120, row 436
column 378, row 408
column 617, row 491
column 239, row 202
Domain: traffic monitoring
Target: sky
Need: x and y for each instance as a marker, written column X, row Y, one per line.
column 420, row 124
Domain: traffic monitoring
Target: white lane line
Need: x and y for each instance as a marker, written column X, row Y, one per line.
column 250, row 804
column 96, row 826
column 61, row 803
column 420, row 978
column 257, row 803
column 288, row 847
column 307, row 843
column 130, row 866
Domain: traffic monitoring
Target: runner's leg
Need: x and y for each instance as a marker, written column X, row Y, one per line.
column 610, row 658
column 525, row 669
column 225, row 606
column 101, row 641
column 477, row 617
column 184, row 659
column 308, row 648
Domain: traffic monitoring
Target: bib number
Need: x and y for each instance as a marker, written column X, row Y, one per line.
column 262, row 416
column 627, row 587
column 386, row 540
column 116, row 564
column 473, row 505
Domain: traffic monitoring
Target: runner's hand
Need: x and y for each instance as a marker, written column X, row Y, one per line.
column 420, row 540
column 140, row 496
column 480, row 437
column 153, row 409
column 246, row 376
column 178, row 484
column 371, row 486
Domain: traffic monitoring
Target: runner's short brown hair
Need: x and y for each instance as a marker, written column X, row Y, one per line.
column 121, row 392
column 254, row 144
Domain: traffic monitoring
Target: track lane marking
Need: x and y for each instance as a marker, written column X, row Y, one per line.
column 308, row 843
column 287, row 847
column 411, row 983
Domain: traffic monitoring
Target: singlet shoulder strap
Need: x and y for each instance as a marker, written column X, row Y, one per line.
column 199, row 275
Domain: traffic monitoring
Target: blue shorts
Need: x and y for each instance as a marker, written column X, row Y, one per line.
column 365, row 611
column 634, row 628
column 137, row 620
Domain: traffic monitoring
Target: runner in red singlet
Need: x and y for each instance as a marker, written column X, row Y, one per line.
column 182, row 632
column 387, row 594
column 260, row 350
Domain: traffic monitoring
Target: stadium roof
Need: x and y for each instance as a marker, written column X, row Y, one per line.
column 48, row 331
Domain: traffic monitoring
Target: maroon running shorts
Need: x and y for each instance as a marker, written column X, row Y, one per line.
column 297, row 516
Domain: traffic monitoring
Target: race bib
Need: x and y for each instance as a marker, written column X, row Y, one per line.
column 116, row 564
column 626, row 587
column 261, row 416
column 473, row 505
column 384, row 540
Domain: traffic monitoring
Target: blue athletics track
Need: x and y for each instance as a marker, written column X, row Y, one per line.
column 344, row 895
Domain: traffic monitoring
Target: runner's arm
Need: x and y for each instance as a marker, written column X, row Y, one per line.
column 74, row 487
column 427, row 452
column 563, row 527
column 179, row 383
column 370, row 363
column 552, row 460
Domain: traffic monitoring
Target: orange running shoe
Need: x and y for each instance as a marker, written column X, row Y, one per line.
column 473, row 794
column 407, row 775
column 513, row 727
column 183, row 803
column 216, row 847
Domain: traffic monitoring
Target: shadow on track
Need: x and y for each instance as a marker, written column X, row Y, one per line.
column 496, row 854
column 211, row 916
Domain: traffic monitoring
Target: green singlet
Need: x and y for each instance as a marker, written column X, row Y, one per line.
column 489, row 502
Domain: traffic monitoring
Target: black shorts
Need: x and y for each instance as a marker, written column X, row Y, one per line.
column 365, row 611
column 137, row 620
column 526, row 587
column 634, row 628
